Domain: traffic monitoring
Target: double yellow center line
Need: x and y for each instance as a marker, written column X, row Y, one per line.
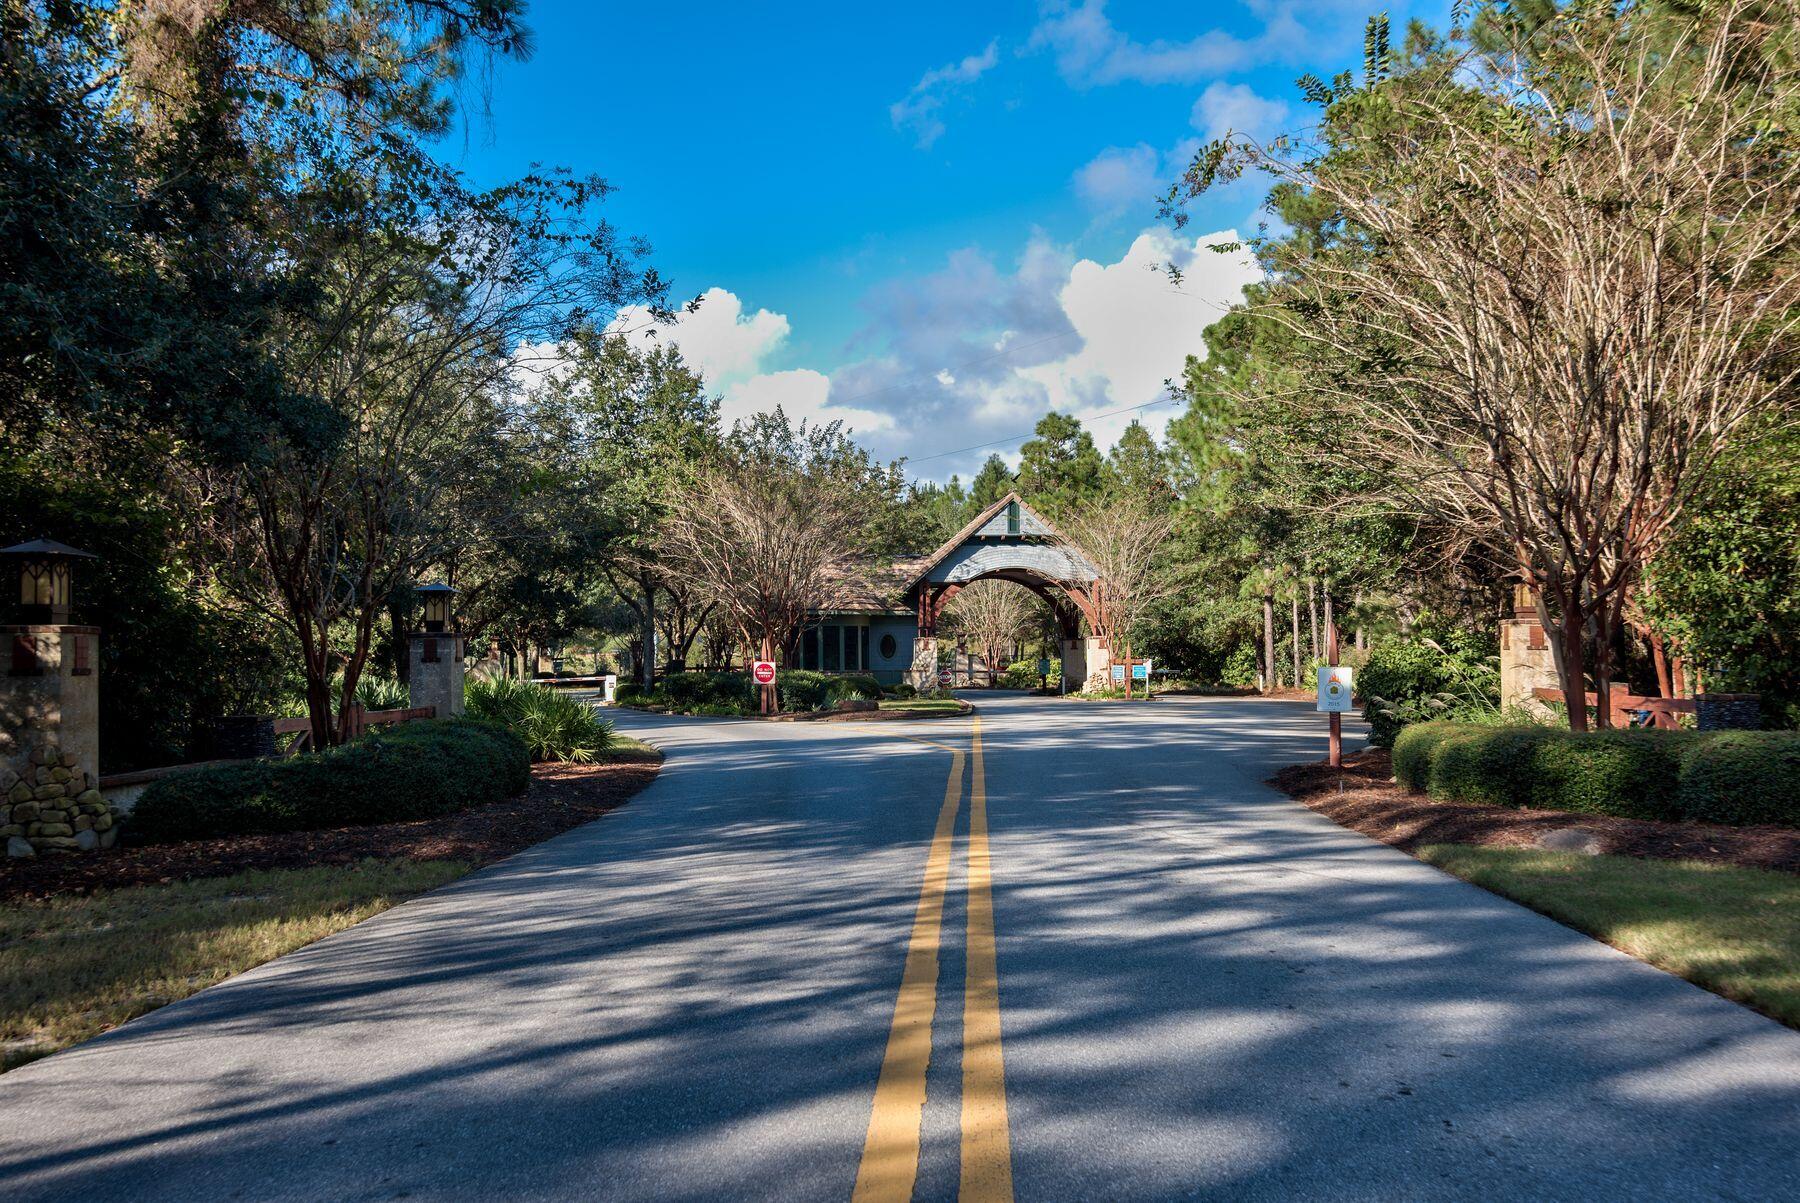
column 890, row 1160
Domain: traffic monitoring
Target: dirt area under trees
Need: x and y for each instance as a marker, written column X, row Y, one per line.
column 561, row 796
column 1365, row 798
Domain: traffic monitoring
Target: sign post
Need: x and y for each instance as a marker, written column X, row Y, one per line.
column 1140, row 671
column 1334, row 694
column 1044, row 674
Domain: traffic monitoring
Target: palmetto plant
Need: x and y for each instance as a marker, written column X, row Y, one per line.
column 554, row 725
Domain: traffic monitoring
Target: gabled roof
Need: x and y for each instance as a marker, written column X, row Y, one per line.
column 867, row 587
column 923, row 567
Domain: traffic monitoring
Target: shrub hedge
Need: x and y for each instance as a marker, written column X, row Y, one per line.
column 730, row 693
column 554, row 725
column 413, row 771
column 1730, row 777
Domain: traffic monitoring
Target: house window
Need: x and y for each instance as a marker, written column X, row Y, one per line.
column 834, row 648
column 1012, row 517
column 889, row 648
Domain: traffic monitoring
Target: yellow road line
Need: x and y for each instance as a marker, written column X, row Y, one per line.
column 890, row 1159
column 986, row 1145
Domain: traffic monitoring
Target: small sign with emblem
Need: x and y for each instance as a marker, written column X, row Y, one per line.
column 1334, row 689
column 763, row 672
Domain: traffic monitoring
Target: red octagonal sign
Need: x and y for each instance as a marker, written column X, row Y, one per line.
column 763, row 671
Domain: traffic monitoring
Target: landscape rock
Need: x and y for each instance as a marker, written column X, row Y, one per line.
column 1570, row 839
column 87, row 841
column 19, row 846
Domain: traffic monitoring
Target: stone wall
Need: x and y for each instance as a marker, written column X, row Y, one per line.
column 50, row 803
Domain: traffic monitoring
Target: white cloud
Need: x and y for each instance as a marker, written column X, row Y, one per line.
column 801, row 393
column 718, row 339
column 1089, row 51
column 1118, row 178
column 732, row 350
column 1092, row 52
column 1237, row 108
column 918, row 112
column 1137, row 328
column 976, row 352
column 972, row 353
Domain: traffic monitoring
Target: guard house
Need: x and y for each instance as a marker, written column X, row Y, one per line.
column 883, row 618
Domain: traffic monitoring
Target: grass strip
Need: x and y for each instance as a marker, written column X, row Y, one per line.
column 73, row 967
column 1734, row 931
column 923, row 705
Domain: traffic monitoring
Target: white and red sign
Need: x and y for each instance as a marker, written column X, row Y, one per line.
column 763, row 672
column 1334, row 689
column 945, row 678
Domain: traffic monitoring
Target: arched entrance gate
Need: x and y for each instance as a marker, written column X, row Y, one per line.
column 886, row 622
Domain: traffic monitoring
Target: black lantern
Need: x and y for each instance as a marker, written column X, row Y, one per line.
column 436, row 600
column 44, row 570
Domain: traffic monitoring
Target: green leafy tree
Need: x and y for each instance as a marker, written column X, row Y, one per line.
column 1060, row 469
column 994, row 481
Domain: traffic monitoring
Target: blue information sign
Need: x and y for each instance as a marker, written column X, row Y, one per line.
column 1118, row 672
column 1140, row 671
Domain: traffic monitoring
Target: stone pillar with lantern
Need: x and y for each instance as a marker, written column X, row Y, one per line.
column 1526, row 661
column 49, row 710
column 435, row 654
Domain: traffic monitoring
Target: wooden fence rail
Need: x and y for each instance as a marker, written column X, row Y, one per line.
column 356, row 722
column 1626, row 705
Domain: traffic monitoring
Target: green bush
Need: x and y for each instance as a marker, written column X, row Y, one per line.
column 902, row 692
column 415, row 770
column 731, row 691
column 1742, row 777
column 802, row 689
column 380, row 693
column 1413, row 750
column 1488, row 765
column 1421, row 678
column 1730, row 777
column 1239, row 668
column 1021, row 674
column 553, row 724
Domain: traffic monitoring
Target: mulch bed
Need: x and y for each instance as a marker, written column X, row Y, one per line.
column 1370, row 802
column 561, row 796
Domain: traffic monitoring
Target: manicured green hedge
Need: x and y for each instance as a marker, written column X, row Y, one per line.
column 1734, row 777
column 734, row 693
column 1743, row 777
column 413, row 771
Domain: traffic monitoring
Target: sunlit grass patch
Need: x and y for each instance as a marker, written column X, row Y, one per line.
column 1735, row 931
column 73, row 967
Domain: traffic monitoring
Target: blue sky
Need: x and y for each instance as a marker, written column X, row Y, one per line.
column 935, row 221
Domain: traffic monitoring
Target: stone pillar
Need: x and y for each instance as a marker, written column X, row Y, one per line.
column 1526, row 663
column 923, row 673
column 50, row 741
column 435, row 671
column 1083, row 660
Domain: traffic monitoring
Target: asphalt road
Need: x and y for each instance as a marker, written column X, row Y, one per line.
column 742, row 984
